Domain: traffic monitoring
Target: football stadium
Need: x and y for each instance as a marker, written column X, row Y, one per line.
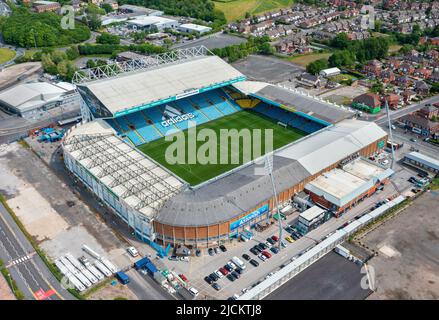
column 132, row 110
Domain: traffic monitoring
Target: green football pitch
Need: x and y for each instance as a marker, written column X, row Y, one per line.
column 197, row 173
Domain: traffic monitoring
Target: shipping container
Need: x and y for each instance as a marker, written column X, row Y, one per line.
column 122, row 277
column 141, row 263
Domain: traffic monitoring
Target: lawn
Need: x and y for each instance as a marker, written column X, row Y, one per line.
column 6, row 55
column 236, row 9
column 197, row 173
column 305, row 59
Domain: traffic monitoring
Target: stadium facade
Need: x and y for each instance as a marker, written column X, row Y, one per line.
column 131, row 104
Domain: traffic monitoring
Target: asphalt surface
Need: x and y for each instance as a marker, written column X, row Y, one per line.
column 331, row 278
column 25, row 266
column 145, row 288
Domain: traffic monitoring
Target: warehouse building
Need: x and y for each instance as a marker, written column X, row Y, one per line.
column 194, row 28
column 342, row 188
column 30, row 100
column 422, row 162
column 148, row 22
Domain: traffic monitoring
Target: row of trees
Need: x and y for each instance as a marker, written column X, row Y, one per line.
column 235, row 52
column 26, row 29
column 107, row 38
column 145, row 48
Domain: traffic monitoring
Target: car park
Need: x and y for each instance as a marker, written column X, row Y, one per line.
column 214, row 276
column 208, row 279
column 236, row 274
column 258, row 248
column 289, row 239
column 283, row 244
column 223, row 248
column 233, row 265
column 267, row 244
column 262, row 257
column 216, row 286
column 183, row 277
column 246, row 257
column 295, row 236
column 267, row 254
column 211, row 252
column 224, row 271
column 217, row 250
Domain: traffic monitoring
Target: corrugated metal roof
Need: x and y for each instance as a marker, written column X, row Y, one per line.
column 142, row 87
column 422, row 158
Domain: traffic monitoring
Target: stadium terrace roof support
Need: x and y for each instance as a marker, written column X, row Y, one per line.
column 112, row 70
column 124, row 170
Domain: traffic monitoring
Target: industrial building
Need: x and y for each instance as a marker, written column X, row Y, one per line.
column 421, row 161
column 194, row 28
column 310, row 219
column 330, row 72
column 148, row 22
column 157, row 204
column 342, row 188
column 30, row 100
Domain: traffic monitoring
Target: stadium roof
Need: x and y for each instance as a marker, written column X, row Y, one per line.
column 299, row 101
column 157, row 84
column 124, row 170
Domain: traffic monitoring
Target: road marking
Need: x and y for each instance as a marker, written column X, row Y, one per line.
column 20, row 260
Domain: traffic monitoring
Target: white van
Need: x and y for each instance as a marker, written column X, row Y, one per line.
column 193, row 291
column 132, row 251
column 238, row 262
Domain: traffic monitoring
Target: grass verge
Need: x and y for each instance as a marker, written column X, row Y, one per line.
column 11, row 282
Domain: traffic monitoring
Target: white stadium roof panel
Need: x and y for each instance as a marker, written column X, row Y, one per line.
column 134, row 89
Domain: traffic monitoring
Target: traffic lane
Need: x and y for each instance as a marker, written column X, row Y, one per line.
column 145, row 288
column 17, row 262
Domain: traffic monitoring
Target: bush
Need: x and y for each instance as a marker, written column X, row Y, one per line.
column 106, row 38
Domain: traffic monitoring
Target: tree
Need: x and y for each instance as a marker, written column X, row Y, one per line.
column 434, row 88
column 316, row 66
column 247, row 15
column 93, row 21
column 107, row 38
column 72, row 52
column 378, row 87
column 340, row 41
column 107, row 7
column 266, row 48
column 342, row 58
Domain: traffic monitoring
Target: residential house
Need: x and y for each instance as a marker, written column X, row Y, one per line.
column 408, row 96
column 309, row 80
column 369, row 99
column 392, row 100
column 373, row 68
column 423, row 73
column 422, row 88
column 406, row 68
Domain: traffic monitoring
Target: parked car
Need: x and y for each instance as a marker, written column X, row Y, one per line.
column 216, row 286
column 198, row 252
column 246, row 257
column 228, row 268
column 183, row 277
column 219, row 274
column 208, row 279
column 224, row 271
column 262, row 257
column 217, row 250
column 211, row 252
column 254, row 251
column 275, row 238
column 193, row 291
column 254, row 263
column 274, row 250
column 283, row 244
column 214, row 276
column 230, row 277
column 258, row 248
column 236, row 274
column 223, row 248
column 132, row 251
column 271, row 241
column 239, row 270
column 289, row 239
column 267, row 254
column 231, row 264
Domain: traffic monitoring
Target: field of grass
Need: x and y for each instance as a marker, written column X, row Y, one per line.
column 394, row 48
column 236, row 9
column 6, row 55
column 305, row 59
column 197, row 173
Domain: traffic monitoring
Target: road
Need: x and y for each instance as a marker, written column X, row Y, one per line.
column 25, row 265
column 395, row 114
column 144, row 287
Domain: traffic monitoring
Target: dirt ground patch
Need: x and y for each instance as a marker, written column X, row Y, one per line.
column 407, row 266
column 113, row 292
